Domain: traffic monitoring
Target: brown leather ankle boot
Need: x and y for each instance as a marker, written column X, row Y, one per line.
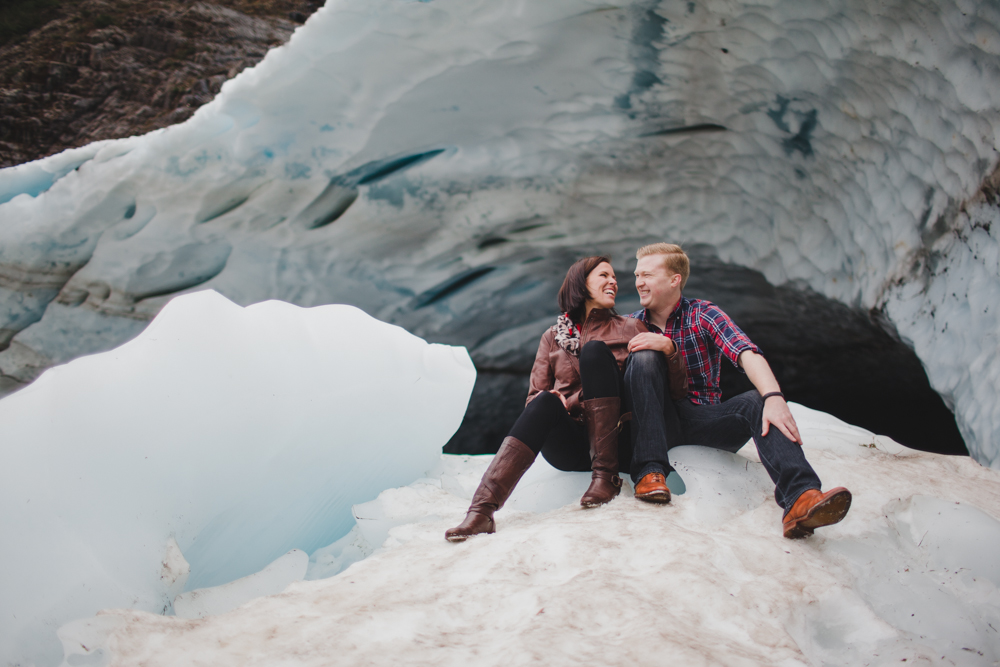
column 815, row 509
column 600, row 416
column 513, row 459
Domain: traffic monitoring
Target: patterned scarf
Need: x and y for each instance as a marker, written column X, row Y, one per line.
column 568, row 335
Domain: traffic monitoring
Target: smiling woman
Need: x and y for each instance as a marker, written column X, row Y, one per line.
column 573, row 415
column 602, row 287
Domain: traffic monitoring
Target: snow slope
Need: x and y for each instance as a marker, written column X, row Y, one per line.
column 910, row 575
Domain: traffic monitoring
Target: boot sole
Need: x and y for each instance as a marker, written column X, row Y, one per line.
column 462, row 538
column 659, row 497
column 595, row 503
column 830, row 511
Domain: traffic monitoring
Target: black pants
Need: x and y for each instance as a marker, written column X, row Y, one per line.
column 547, row 428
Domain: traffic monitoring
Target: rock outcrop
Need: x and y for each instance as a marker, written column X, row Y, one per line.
column 115, row 68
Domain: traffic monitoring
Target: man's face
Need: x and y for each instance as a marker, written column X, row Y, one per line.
column 656, row 285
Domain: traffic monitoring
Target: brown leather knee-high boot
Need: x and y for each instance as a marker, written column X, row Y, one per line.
column 513, row 459
column 600, row 416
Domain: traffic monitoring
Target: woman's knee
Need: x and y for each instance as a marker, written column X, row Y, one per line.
column 537, row 419
column 596, row 354
column 544, row 403
column 595, row 347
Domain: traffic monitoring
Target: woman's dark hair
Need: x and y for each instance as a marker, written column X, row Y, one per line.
column 573, row 294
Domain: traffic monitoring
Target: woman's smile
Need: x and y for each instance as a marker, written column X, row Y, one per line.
column 602, row 286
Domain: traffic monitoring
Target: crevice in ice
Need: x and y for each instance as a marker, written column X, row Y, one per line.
column 342, row 190
column 221, row 210
column 490, row 241
column 686, row 129
column 186, row 267
column 376, row 171
column 450, row 286
column 332, row 203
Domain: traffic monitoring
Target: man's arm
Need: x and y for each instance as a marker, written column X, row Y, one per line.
column 776, row 410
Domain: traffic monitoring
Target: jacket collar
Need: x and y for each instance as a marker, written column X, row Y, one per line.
column 599, row 315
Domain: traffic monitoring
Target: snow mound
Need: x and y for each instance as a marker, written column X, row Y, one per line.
column 218, row 440
column 708, row 580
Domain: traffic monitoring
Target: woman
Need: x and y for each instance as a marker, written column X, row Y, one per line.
column 574, row 399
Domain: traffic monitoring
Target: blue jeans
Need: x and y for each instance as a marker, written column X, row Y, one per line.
column 659, row 423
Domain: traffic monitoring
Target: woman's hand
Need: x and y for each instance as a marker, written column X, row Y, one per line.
column 652, row 341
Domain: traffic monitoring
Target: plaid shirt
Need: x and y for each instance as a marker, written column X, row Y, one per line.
column 704, row 333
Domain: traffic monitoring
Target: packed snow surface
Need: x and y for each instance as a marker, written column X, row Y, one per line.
column 911, row 574
column 215, row 442
column 439, row 164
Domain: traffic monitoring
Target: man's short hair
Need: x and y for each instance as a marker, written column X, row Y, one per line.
column 674, row 258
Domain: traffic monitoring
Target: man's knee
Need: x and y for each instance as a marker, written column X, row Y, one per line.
column 645, row 363
column 751, row 406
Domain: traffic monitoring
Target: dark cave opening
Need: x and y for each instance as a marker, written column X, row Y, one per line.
column 830, row 357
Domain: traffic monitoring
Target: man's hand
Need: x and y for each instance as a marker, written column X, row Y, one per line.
column 776, row 413
column 651, row 341
column 561, row 398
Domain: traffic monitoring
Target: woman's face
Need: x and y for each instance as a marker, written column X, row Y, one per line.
column 602, row 286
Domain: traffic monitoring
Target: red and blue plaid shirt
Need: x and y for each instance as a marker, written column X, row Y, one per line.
column 704, row 333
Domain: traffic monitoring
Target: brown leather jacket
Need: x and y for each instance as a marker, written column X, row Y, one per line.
column 556, row 369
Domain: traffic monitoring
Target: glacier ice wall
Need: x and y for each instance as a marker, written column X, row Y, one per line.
column 439, row 164
column 199, row 452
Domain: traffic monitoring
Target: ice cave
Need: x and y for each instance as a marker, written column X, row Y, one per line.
column 404, row 170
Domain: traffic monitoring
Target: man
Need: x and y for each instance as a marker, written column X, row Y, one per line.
column 704, row 333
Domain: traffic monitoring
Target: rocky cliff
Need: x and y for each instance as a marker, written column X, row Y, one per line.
column 106, row 69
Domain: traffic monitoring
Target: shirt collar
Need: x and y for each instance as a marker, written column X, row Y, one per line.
column 678, row 308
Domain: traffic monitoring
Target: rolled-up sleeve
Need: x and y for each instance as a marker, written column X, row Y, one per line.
column 728, row 337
